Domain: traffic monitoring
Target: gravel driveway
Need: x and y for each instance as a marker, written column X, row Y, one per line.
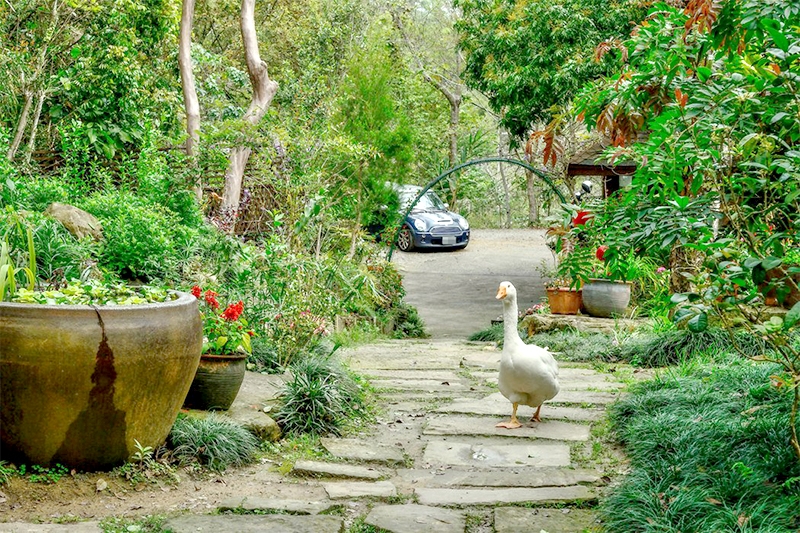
column 454, row 291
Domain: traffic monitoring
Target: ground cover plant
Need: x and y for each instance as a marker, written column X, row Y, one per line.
column 709, row 451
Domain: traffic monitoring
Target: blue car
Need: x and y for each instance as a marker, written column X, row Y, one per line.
column 430, row 224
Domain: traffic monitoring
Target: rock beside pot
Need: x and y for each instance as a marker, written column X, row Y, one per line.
column 77, row 221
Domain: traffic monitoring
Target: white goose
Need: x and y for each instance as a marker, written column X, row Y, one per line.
column 528, row 373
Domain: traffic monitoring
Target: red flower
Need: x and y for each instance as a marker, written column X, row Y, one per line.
column 581, row 218
column 601, row 252
column 197, row 291
column 211, row 299
column 233, row 311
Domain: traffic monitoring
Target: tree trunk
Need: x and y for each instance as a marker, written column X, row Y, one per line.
column 501, row 150
column 21, row 125
column 190, row 100
column 682, row 262
column 36, row 115
column 264, row 90
column 533, row 205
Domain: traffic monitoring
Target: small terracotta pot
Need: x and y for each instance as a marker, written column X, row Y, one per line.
column 564, row 301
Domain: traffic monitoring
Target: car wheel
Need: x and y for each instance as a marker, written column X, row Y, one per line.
column 405, row 241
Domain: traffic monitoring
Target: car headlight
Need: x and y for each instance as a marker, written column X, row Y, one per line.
column 420, row 225
column 462, row 223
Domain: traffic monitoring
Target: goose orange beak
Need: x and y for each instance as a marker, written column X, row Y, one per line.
column 501, row 293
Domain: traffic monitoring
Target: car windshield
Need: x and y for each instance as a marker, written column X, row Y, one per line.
column 429, row 202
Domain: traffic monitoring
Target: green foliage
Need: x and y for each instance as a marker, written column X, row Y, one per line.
column 147, row 524
column 94, row 292
column 530, row 57
column 407, row 322
column 493, row 333
column 676, row 346
column 708, row 453
column 321, row 398
column 142, row 240
column 214, row 441
column 48, row 476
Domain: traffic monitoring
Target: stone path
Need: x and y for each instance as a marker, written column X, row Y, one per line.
column 435, row 462
column 437, row 459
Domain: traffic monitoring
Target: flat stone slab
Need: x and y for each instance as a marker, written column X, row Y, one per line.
column 317, row 468
column 415, row 518
column 23, row 527
column 501, row 456
column 502, row 407
column 255, row 503
column 507, row 477
column 571, row 396
column 521, row 520
column 359, row 489
column 442, row 375
column 254, row 524
column 419, row 384
column 583, row 323
column 356, row 450
column 433, row 496
column 470, row 425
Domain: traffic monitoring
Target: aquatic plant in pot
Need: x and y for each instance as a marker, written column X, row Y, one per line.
column 90, row 368
column 226, row 345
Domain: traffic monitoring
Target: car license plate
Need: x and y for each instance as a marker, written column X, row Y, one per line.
column 449, row 240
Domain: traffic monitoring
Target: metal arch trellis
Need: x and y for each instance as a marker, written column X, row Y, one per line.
column 471, row 163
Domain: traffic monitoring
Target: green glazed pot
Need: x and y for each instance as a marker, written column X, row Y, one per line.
column 81, row 384
column 605, row 298
column 216, row 382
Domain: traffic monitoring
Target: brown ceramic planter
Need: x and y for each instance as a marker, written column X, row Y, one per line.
column 81, row 383
column 564, row 301
column 216, row 382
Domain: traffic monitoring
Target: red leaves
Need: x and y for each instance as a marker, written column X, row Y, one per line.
column 619, row 125
column 553, row 149
column 702, row 14
column 681, row 97
column 610, row 44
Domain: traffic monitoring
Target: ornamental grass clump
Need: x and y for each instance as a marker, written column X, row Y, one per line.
column 214, row 441
column 709, row 452
column 321, row 398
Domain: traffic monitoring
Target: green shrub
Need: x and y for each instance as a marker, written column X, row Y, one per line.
column 709, row 452
column 141, row 240
column 214, row 441
column 407, row 322
column 493, row 333
column 320, row 399
column 571, row 345
column 264, row 357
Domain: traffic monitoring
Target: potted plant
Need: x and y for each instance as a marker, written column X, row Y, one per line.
column 226, row 345
column 90, row 368
column 606, row 289
column 563, row 293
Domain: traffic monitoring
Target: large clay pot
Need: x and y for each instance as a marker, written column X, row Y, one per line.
column 564, row 301
column 216, row 382
column 604, row 298
column 80, row 383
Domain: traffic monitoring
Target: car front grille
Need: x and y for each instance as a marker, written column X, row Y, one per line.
column 445, row 230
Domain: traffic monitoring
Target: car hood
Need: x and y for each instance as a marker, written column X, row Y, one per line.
column 435, row 218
